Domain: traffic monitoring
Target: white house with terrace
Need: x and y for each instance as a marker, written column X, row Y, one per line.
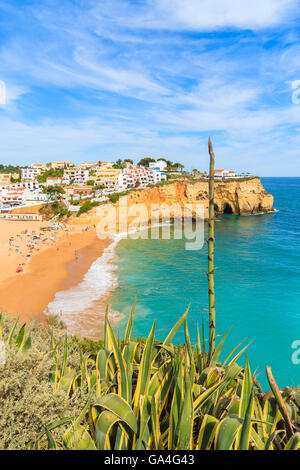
column 138, row 176
column 54, row 181
column 76, row 176
column 225, row 174
column 21, row 194
column 160, row 165
column 31, row 185
column 30, row 174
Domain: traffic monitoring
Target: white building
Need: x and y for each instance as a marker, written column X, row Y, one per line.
column 36, row 195
column 76, row 176
column 137, row 176
column 54, row 181
column 126, row 181
column 156, row 176
column 21, row 194
column 117, row 180
column 11, row 197
column 31, row 185
column 225, row 174
column 30, row 174
column 160, row 165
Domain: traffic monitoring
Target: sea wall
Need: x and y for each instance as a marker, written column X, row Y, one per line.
column 237, row 197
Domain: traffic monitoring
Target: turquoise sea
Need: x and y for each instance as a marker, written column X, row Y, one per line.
column 257, row 283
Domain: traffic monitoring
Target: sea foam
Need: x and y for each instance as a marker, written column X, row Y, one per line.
column 96, row 284
column 79, row 306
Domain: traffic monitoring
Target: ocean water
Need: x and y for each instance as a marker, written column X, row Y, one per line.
column 257, row 283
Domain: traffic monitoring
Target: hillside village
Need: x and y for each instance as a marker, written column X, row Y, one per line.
column 88, row 183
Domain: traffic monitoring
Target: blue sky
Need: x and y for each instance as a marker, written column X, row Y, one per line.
column 100, row 80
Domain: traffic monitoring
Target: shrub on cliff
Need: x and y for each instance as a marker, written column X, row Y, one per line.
column 28, row 400
column 56, row 208
column 86, row 207
column 116, row 196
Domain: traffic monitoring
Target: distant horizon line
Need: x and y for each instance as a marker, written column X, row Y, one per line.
column 279, row 176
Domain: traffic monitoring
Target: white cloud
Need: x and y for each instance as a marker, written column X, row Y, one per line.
column 256, row 150
column 113, row 78
column 14, row 92
column 24, row 143
column 215, row 14
column 10, row 93
column 195, row 15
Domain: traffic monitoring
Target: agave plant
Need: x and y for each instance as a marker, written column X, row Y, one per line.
column 17, row 337
column 152, row 395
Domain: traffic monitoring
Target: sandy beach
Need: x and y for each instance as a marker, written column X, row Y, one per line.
column 50, row 262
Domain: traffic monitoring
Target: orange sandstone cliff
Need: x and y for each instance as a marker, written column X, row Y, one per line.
column 237, row 197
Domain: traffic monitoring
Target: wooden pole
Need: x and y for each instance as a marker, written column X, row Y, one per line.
column 211, row 250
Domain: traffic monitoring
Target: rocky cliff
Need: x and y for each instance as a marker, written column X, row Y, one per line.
column 237, row 197
column 240, row 197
